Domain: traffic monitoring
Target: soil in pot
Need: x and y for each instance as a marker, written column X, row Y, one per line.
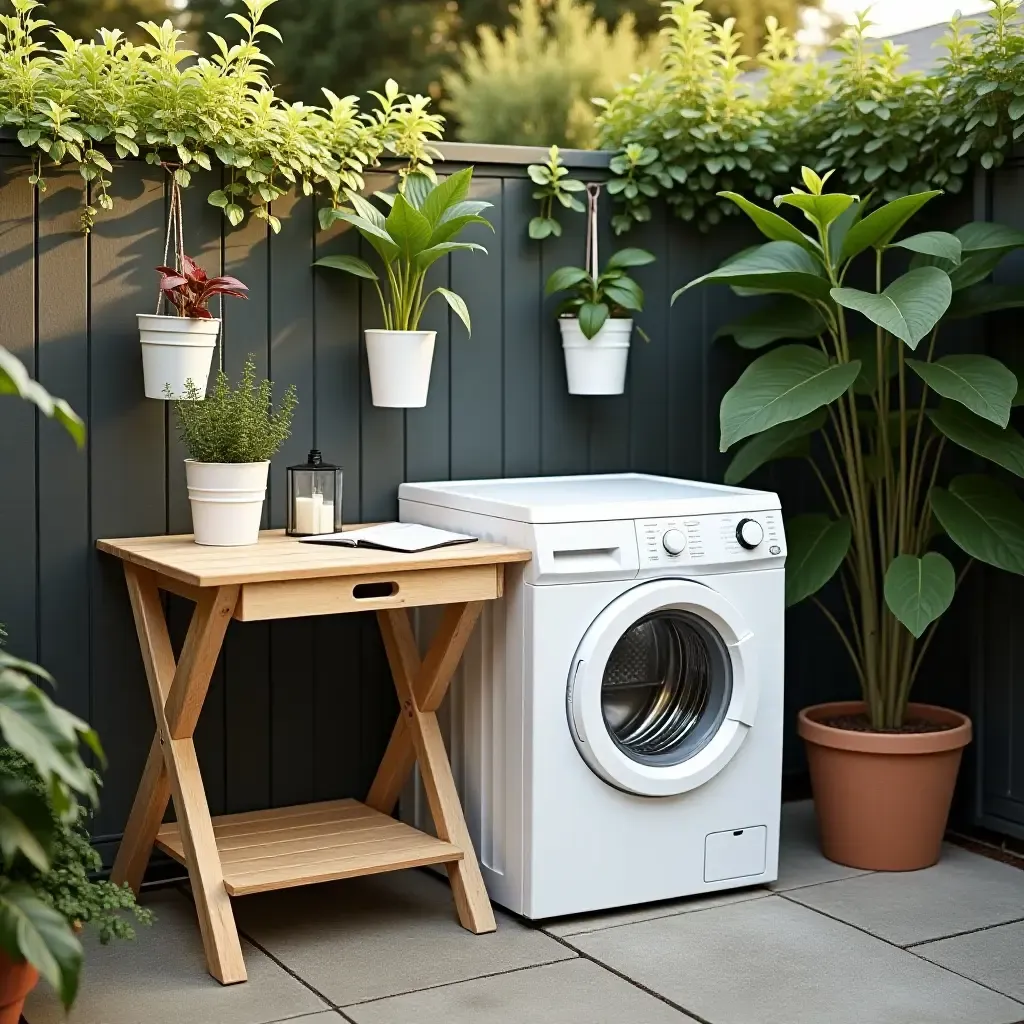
column 883, row 798
column 17, row 979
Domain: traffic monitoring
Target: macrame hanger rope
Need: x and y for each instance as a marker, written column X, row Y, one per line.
column 592, row 266
column 175, row 230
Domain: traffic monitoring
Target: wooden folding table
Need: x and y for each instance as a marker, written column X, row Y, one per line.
column 281, row 578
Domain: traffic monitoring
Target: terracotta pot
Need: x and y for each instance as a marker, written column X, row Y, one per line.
column 17, row 979
column 883, row 798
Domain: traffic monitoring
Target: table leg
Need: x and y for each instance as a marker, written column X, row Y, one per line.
column 417, row 737
column 177, row 693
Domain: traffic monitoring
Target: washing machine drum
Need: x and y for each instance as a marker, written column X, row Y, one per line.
column 660, row 696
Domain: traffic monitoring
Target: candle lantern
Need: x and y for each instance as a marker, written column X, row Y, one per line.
column 314, row 497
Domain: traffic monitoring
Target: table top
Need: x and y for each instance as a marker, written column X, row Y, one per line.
column 279, row 557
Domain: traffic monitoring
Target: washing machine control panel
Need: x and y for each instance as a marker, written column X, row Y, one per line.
column 711, row 541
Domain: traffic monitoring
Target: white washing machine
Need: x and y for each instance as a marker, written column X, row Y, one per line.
column 616, row 726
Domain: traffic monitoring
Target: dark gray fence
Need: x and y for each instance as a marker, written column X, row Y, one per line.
column 300, row 710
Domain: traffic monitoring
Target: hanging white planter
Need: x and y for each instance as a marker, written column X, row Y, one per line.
column 400, row 367
column 176, row 349
column 227, row 501
column 596, row 366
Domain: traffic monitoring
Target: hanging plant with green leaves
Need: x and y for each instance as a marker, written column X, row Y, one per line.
column 65, row 102
column 859, row 388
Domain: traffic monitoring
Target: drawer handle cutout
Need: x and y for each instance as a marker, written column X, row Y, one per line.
column 368, row 591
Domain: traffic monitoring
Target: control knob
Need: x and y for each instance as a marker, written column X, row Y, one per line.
column 674, row 542
column 750, row 533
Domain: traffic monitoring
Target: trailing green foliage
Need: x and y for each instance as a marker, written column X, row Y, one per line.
column 613, row 293
column 864, row 399
column 421, row 225
column 66, row 99
column 553, row 184
column 237, row 425
column 15, row 380
column 698, row 126
column 70, row 885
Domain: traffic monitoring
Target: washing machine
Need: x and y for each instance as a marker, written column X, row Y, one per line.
column 615, row 727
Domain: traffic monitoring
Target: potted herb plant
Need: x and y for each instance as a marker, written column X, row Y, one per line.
column 420, row 226
column 878, row 414
column 230, row 436
column 595, row 323
column 180, row 347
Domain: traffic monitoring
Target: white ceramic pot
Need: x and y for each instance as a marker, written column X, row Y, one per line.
column 176, row 349
column 596, row 366
column 400, row 367
column 227, row 501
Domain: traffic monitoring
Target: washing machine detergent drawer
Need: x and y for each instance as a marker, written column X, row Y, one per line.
column 735, row 854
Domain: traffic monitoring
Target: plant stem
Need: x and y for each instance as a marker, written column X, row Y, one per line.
column 845, row 639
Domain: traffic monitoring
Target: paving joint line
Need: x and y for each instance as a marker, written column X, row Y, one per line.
column 968, row 931
column 582, row 955
column 905, row 949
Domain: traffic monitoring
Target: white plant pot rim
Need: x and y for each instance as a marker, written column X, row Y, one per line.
column 262, row 462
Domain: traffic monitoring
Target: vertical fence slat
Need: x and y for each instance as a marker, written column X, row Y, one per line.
column 128, row 464
column 64, row 549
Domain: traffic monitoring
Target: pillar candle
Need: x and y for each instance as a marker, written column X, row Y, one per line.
column 307, row 514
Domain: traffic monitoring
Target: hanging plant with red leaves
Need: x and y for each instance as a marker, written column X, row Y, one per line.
column 190, row 289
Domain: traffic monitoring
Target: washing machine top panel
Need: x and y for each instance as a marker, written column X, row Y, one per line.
column 582, row 499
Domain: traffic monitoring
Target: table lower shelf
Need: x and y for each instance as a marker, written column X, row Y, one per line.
column 321, row 842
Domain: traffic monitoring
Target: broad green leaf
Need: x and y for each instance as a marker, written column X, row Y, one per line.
column 378, row 237
column 218, row 198
column 821, row 210
column 933, row 243
column 429, row 256
column 864, row 347
column 446, row 194
column 1001, row 445
column 26, row 823
column 416, row 188
column 625, row 293
column 840, row 227
column 33, row 931
column 982, row 235
column 879, row 227
column 984, row 518
column 782, row 385
column 787, row 318
column 985, row 298
column 630, row 258
column 771, row 225
column 981, row 383
column 564, row 278
column 14, row 380
column 772, row 267
column 350, row 264
column 458, row 305
column 909, row 308
column 919, row 590
column 452, row 222
column 541, row 227
column 774, row 443
column 592, row 317
column 817, row 547
column 408, row 228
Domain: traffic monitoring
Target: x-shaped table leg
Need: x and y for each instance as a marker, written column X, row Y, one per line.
column 421, row 687
column 172, row 769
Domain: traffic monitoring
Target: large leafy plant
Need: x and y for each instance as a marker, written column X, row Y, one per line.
column 421, row 223
column 613, row 293
column 234, row 424
column 876, row 405
column 67, row 100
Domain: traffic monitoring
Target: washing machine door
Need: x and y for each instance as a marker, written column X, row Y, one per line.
column 662, row 691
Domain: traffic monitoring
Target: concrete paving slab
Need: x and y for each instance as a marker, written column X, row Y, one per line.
column 771, row 961
column 994, row 956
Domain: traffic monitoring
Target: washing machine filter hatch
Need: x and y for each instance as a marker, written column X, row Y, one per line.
column 666, row 687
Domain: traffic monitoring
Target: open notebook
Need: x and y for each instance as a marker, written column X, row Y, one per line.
column 406, row 537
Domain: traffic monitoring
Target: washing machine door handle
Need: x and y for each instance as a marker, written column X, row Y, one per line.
column 575, row 704
column 746, row 684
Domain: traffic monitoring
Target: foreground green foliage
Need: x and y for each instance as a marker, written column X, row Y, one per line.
column 421, row 225
column 872, row 403
column 532, row 84
column 91, row 102
column 234, row 425
column 696, row 126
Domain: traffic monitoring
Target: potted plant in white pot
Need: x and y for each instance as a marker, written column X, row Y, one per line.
column 180, row 347
column 421, row 225
column 880, row 412
column 230, row 436
column 595, row 323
